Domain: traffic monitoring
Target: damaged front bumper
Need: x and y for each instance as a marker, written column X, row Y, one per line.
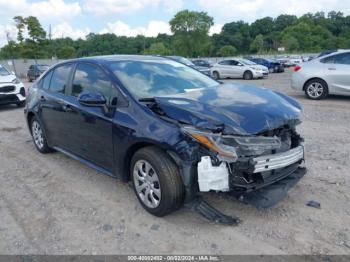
column 249, row 175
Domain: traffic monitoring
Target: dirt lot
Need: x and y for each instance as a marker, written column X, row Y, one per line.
column 51, row 204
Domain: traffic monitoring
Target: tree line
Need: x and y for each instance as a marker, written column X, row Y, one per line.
column 312, row 32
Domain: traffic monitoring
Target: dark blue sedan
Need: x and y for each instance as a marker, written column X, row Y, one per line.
column 272, row 65
column 166, row 127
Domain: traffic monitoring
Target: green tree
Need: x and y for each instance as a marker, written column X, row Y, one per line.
column 258, row 44
column 35, row 30
column 262, row 26
column 283, row 21
column 227, row 50
column 157, row 49
column 66, row 51
column 191, row 30
column 20, row 25
column 290, row 43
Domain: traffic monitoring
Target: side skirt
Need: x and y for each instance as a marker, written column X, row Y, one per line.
column 86, row 162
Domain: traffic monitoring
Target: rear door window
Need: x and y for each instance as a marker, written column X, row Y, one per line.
column 60, row 78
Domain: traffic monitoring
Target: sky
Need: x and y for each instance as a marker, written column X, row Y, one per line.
column 77, row 18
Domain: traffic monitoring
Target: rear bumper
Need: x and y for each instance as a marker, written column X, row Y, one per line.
column 297, row 82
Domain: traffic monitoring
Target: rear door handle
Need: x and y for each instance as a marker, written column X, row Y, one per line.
column 332, row 68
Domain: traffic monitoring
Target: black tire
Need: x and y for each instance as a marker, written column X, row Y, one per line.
column 316, row 89
column 170, row 184
column 216, row 75
column 43, row 146
column 21, row 104
column 248, row 75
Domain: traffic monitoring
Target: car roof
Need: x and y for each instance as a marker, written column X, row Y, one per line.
column 112, row 58
column 116, row 58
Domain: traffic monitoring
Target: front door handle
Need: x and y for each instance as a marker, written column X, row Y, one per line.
column 332, row 68
column 67, row 108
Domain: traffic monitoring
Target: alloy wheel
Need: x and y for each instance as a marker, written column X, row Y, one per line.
column 315, row 90
column 147, row 183
column 38, row 135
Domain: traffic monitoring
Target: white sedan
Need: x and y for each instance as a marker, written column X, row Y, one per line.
column 329, row 74
column 238, row 68
column 11, row 88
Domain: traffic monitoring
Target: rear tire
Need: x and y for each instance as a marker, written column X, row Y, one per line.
column 156, row 181
column 248, row 75
column 316, row 89
column 38, row 135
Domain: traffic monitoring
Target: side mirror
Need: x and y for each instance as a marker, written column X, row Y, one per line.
column 94, row 99
column 239, row 64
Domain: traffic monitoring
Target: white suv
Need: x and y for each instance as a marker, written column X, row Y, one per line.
column 11, row 89
column 238, row 68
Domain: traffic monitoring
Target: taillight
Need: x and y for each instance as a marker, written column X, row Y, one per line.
column 297, row 68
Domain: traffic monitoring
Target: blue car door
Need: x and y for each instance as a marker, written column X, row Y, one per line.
column 91, row 127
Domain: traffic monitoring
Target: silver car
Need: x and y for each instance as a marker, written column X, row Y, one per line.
column 325, row 75
column 238, row 68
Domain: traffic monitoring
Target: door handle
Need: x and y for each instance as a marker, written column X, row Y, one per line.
column 332, row 68
column 67, row 108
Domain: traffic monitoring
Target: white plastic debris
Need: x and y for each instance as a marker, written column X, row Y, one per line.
column 212, row 177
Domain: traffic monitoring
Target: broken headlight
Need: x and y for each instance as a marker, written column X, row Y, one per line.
column 213, row 142
column 229, row 148
column 252, row 145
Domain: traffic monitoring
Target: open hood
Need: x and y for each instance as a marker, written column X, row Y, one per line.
column 232, row 109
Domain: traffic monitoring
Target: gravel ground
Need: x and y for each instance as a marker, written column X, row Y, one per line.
column 51, row 204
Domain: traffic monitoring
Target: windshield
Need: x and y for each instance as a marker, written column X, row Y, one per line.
column 3, row 71
column 150, row 78
column 246, row 62
column 43, row 67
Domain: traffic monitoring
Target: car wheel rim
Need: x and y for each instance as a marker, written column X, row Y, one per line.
column 147, row 184
column 38, row 134
column 315, row 90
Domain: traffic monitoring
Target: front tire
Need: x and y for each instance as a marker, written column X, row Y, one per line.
column 216, row 75
column 38, row 135
column 248, row 75
column 156, row 181
column 316, row 89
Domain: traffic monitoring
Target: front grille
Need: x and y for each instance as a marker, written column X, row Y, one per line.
column 7, row 89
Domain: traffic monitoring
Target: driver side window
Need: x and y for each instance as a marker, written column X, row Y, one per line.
column 91, row 78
